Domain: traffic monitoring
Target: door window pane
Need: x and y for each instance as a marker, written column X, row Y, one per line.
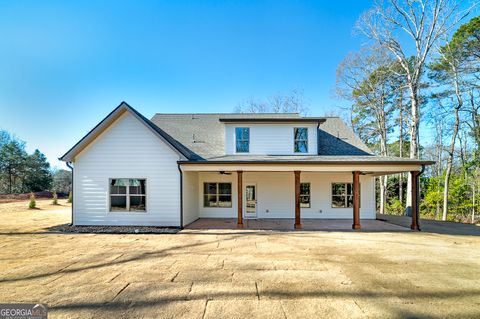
column 250, row 193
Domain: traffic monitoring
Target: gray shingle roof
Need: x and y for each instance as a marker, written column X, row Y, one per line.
column 336, row 138
column 204, row 134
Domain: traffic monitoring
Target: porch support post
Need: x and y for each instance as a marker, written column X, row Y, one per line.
column 298, row 224
column 415, row 200
column 240, row 199
column 356, row 200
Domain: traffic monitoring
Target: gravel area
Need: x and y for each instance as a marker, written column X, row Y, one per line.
column 67, row 228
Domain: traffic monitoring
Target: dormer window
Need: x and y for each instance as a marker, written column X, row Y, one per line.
column 242, row 139
column 300, row 140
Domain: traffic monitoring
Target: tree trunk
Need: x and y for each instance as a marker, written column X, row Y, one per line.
column 400, row 151
column 452, row 148
column 383, row 151
column 413, row 141
column 473, row 201
column 438, row 165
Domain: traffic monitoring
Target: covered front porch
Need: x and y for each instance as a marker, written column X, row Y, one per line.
column 310, row 196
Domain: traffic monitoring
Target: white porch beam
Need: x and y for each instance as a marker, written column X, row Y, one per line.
column 371, row 169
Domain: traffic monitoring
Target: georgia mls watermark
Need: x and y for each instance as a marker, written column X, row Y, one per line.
column 23, row 311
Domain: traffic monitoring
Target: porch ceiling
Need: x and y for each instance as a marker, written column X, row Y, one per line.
column 370, row 164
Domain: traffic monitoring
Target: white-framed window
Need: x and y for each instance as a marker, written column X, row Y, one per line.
column 342, row 195
column 305, row 195
column 300, row 140
column 128, row 195
column 217, row 194
column 242, row 139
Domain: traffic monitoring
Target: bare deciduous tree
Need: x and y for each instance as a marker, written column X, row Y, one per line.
column 292, row 102
column 366, row 79
column 422, row 22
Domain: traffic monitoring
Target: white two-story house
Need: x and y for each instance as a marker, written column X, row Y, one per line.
column 177, row 168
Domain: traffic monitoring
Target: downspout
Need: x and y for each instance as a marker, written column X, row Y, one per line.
column 181, row 196
column 71, row 168
column 418, row 192
column 318, row 139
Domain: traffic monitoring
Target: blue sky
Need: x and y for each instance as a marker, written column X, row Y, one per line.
column 64, row 65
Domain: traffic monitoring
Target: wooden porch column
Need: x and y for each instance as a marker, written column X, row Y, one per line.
column 298, row 224
column 356, row 200
column 415, row 200
column 240, row 199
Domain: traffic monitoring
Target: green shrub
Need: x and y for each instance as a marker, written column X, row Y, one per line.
column 55, row 198
column 70, row 197
column 395, row 207
column 32, row 204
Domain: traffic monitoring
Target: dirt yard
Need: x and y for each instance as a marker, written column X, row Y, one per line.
column 235, row 274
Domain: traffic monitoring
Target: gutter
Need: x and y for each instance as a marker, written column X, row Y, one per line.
column 313, row 162
column 181, row 196
column 71, row 168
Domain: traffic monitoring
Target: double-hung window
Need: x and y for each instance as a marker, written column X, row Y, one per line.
column 242, row 139
column 342, row 195
column 305, row 195
column 217, row 194
column 300, row 140
column 128, row 195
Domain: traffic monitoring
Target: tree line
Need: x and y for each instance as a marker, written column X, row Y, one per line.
column 21, row 172
column 416, row 74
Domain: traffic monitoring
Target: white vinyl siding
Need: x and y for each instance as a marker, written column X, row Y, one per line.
column 191, row 193
column 271, row 139
column 127, row 149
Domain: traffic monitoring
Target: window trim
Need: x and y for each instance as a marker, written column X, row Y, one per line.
column 127, row 195
column 309, row 195
column 295, row 140
column 243, row 140
column 346, row 196
column 217, row 194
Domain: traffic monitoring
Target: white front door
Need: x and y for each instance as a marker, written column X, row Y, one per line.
column 250, row 201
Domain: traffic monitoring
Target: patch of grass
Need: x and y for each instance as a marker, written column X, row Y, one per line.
column 33, row 203
column 55, row 199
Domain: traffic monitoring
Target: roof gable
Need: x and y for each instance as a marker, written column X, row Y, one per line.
column 111, row 118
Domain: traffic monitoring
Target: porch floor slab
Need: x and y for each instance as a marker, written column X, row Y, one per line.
column 288, row 224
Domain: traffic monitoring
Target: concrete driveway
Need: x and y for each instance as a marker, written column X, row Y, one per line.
column 237, row 274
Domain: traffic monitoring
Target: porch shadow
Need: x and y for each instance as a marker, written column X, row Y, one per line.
column 433, row 226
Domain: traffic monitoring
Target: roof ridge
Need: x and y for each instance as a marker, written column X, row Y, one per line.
column 226, row 113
